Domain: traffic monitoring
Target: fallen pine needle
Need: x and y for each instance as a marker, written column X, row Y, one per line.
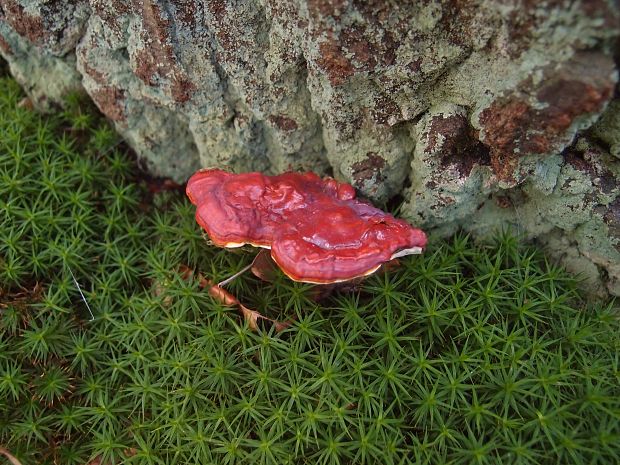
column 222, row 295
column 11, row 458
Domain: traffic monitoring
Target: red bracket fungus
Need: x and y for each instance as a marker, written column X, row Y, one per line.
column 318, row 232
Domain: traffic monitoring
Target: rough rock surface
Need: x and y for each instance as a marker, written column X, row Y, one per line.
column 480, row 114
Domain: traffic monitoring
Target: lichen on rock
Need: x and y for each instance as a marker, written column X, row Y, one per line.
column 469, row 110
column 40, row 52
column 607, row 128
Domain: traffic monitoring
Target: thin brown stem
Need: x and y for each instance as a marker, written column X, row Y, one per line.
column 11, row 458
column 236, row 275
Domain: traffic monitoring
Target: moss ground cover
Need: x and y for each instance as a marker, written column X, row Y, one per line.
column 469, row 354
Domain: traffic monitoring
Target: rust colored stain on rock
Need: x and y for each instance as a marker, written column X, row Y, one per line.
column 4, row 45
column 186, row 12
column 156, row 59
column 608, row 12
column 612, row 218
column 283, row 122
column 590, row 162
column 111, row 13
column 219, row 11
column 217, row 8
column 457, row 146
column 120, row 6
column 368, row 169
column 453, row 129
column 456, row 19
column 568, row 99
column 505, row 126
column 159, row 59
column 513, row 127
column 361, row 49
column 384, row 109
column 504, row 121
column 320, row 9
column 110, row 100
column 109, row 10
column 54, row 25
column 26, row 25
column 96, row 75
column 332, row 60
column 415, row 66
column 357, row 47
column 367, row 51
column 525, row 19
column 503, row 201
column 182, row 89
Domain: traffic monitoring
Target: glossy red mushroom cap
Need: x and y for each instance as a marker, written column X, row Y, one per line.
column 318, row 232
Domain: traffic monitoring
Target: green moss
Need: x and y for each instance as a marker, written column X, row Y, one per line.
column 467, row 354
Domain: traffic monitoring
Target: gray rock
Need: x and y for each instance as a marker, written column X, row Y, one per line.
column 47, row 79
column 607, row 128
column 480, row 114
